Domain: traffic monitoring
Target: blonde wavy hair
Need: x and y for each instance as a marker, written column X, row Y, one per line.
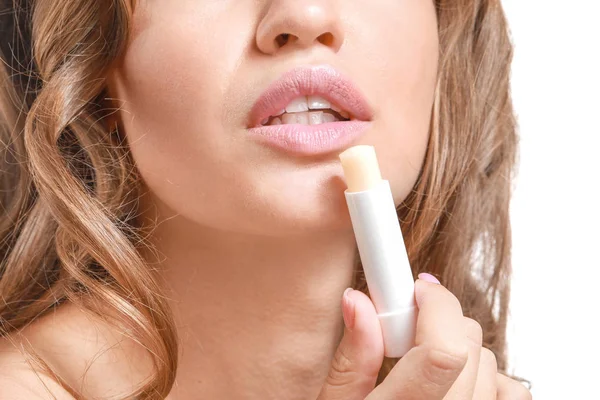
column 69, row 186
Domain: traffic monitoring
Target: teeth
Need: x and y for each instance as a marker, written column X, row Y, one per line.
column 318, row 103
column 319, row 117
column 306, row 103
column 328, row 118
column 340, row 111
column 297, row 112
column 297, row 105
column 316, row 117
column 289, row 118
column 304, row 118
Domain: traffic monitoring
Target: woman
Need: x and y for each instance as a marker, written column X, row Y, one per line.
column 165, row 236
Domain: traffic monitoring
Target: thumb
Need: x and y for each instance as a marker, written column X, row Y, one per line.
column 358, row 358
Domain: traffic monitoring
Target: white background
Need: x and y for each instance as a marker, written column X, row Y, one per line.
column 554, row 334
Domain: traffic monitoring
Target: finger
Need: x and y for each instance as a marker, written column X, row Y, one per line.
column 485, row 387
column 359, row 357
column 509, row 389
column 464, row 386
column 430, row 368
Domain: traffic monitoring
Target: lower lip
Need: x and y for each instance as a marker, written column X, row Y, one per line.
column 310, row 140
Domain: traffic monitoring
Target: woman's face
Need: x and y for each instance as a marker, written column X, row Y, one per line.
column 195, row 69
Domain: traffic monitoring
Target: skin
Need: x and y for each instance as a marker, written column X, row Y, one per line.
column 256, row 246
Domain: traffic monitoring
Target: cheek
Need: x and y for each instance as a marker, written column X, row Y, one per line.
column 172, row 81
column 403, row 54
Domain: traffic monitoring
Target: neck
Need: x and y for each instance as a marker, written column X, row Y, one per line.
column 257, row 316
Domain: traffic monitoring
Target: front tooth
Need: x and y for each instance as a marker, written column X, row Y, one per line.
column 318, row 103
column 276, row 121
column 289, row 118
column 340, row 111
column 302, row 118
column 328, row 118
column 279, row 113
column 316, row 118
column 297, row 105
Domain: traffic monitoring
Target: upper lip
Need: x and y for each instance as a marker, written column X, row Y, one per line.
column 323, row 81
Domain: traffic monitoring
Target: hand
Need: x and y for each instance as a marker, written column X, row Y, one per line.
column 448, row 361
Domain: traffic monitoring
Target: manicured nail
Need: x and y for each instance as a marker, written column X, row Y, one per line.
column 348, row 310
column 428, row 277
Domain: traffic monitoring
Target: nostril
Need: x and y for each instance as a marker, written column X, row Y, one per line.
column 327, row 39
column 282, row 39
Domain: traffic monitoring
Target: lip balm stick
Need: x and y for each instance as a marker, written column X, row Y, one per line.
column 381, row 248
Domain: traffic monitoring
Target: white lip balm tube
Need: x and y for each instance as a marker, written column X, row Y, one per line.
column 381, row 248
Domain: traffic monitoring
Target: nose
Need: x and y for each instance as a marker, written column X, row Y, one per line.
column 300, row 23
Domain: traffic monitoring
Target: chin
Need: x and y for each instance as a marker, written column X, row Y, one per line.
column 317, row 218
column 299, row 209
column 285, row 206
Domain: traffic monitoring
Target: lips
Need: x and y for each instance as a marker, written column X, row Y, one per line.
column 351, row 111
column 322, row 81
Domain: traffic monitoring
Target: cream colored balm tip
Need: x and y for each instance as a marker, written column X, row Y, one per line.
column 361, row 168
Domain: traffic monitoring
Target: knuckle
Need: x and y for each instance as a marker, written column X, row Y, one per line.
column 513, row 389
column 518, row 391
column 474, row 331
column 488, row 359
column 521, row 393
column 452, row 299
column 444, row 365
column 342, row 370
column 442, row 294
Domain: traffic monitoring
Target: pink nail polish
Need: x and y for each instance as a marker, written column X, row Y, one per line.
column 428, row 277
column 348, row 310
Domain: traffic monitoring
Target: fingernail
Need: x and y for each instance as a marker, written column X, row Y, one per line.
column 348, row 310
column 428, row 277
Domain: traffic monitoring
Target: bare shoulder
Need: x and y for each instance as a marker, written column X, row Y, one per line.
column 23, row 384
column 83, row 350
column 20, row 381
